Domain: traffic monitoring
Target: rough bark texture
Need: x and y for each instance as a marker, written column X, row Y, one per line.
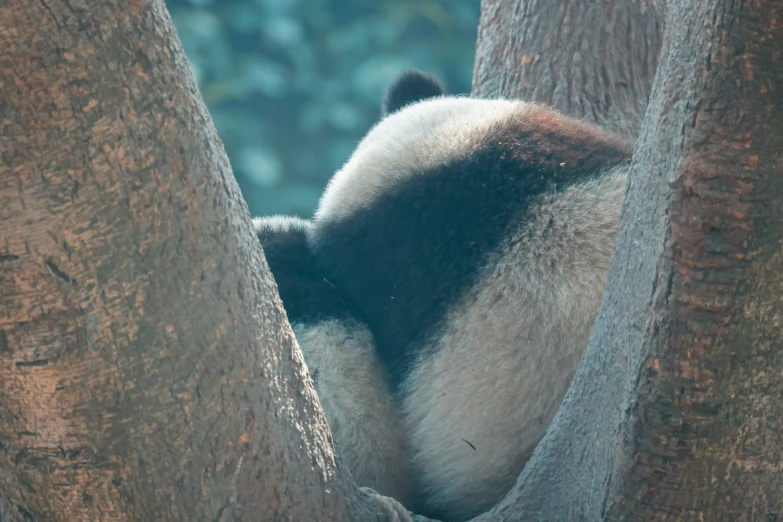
column 675, row 411
column 147, row 371
column 705, row 436
column 589, row 59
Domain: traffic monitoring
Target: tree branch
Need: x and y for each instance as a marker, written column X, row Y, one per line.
column 592, row 60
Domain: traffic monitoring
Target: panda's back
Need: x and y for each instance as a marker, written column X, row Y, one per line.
column 430, row 196
column 475, row 236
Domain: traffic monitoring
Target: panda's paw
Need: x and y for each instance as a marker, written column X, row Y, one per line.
column 388, row 508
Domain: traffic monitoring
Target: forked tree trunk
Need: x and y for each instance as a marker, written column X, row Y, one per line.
column 147, row 371
column 592, row 59
column 676, row 410
column 146, row 368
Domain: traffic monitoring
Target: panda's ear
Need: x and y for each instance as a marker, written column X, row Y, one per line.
column 409, row 87
column 284, row 241
column 306, row 294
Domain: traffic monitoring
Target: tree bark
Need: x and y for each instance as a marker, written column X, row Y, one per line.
column 588, row 59
column 147, row 370
column 675, row 410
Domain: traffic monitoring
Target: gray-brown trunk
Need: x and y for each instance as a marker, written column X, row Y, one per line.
column 588, row 59
column 147, row 370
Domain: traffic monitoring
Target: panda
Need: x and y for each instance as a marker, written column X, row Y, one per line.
column 465, row 245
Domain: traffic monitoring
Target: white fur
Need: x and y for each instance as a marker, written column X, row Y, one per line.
column 422, row 135
column 363, row 417
column 278, row 224
column 499, row 372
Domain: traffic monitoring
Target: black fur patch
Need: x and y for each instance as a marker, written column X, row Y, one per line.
column 307, row 296
column 409, row 87
column 408, row 258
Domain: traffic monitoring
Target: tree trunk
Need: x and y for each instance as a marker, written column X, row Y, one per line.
column 147, row 370
column 588, row 59
column 675, row 411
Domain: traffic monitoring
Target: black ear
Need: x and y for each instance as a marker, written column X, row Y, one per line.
column 307, row 296
column 409, row 87
column 284, row 241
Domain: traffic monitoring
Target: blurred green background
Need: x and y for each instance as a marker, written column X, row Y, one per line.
column 293, row 85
